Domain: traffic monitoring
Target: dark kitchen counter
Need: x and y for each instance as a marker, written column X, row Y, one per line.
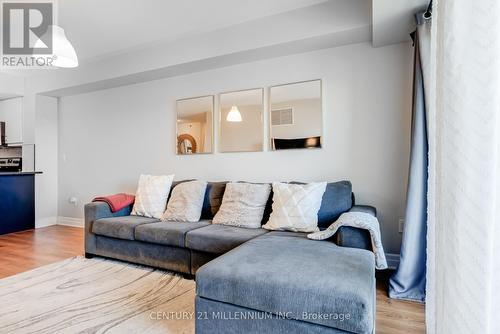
column 17, row 201
column 19, row 173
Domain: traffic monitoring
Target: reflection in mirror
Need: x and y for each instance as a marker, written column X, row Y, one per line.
column 241, row 128
column 195, row 125
column 296, row 115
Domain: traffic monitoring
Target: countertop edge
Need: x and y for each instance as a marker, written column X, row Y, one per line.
column 19, row 173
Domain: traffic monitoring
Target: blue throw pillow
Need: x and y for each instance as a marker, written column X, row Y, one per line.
column 337, row 199
column 213, row 199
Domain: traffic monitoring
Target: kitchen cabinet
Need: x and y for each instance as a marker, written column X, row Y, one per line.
column 17, row 202
column 11, row 112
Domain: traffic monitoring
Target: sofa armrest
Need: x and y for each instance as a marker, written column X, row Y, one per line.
column 364, row 208
column 354, row 237
column 94, row 211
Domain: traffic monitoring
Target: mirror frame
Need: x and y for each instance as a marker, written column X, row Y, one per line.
column 269, row 109
column 177, row 125
column 219, row 142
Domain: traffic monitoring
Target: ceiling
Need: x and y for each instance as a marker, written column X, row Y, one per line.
column 393, row 20
column 99, row 28
column 122, row 42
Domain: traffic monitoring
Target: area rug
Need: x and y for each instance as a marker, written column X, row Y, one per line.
column 96, row 296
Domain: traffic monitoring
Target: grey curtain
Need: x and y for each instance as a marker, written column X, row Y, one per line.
column 408, row 282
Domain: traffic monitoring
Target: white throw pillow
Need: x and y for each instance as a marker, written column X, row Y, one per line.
column 186, row 202
column 243, row 205
column 296, row 206
column 152, row 194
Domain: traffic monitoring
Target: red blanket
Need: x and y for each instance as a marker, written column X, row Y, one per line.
column 116, row 202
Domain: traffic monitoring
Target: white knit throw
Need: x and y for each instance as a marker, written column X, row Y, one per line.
column 360, row 220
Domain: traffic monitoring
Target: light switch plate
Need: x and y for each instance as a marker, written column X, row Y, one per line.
column 401, row 225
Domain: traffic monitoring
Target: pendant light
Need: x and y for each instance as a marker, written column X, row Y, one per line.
column 234, row 115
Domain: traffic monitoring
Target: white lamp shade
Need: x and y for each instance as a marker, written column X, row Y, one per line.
column 63, row 52
column 234, row 115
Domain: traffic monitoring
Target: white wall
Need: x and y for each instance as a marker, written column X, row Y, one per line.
column 46, row 134
column 107, row 138
column 11, row 85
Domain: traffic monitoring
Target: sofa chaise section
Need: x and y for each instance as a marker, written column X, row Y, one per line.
column 316, row 283
column 214, row 319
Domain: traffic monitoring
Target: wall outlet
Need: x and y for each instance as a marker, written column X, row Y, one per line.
column 401, row 225
column 73, row 200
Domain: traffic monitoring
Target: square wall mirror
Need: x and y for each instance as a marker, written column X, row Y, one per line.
column 241, row 126
column 296, row 117
column 195, row 125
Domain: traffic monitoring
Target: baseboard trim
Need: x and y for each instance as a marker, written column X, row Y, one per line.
column 69, row 221
column 392, row 260
column 44, row 222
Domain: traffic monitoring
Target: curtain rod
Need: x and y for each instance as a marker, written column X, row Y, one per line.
column 428, row 12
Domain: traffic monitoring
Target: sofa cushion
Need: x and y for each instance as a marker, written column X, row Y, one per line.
column 120, row 227
column 167, row 233
column 313, row 281
column 220, row 239
column 337, row 199
column 213, row 199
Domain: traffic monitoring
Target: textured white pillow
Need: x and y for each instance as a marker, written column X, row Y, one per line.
column 186, row 202
column 152, row 194
column 243, row 205
column 296, row 206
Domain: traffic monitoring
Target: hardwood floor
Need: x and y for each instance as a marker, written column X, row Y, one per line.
column 30, row 249
column 395, row 316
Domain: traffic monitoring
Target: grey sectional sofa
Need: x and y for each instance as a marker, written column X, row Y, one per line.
column 253, row 280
